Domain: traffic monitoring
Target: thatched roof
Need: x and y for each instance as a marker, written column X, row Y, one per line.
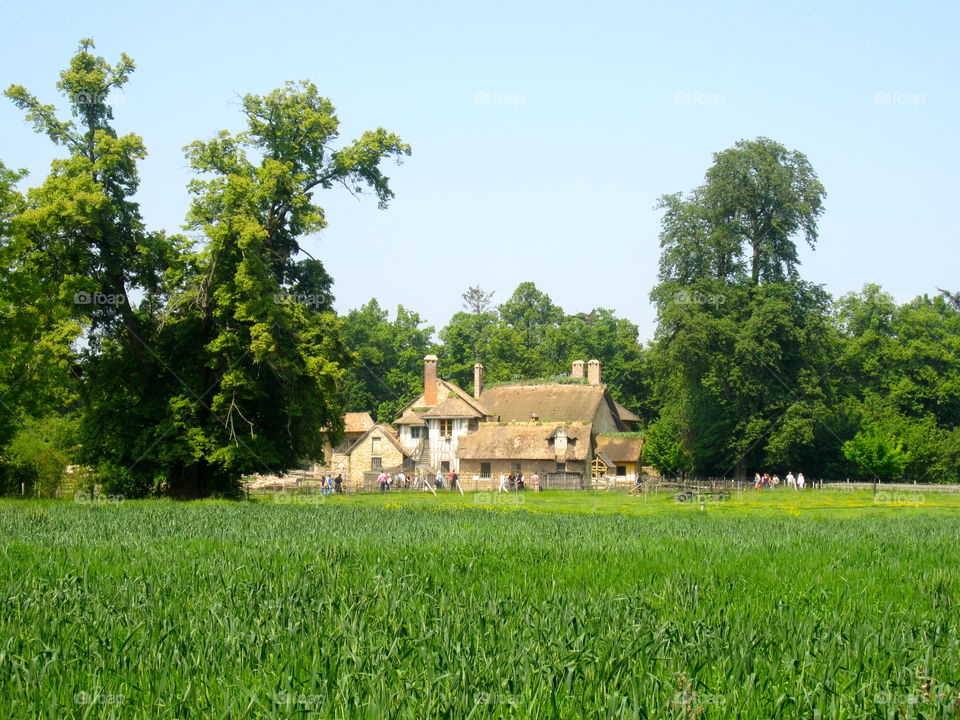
column 445, row 389
column 523, row 441
column 549, row 402
column 410, row 417
column 620, row 449
column 625, row 414
column 387, row 432
column 357, row 422
column 453, row 407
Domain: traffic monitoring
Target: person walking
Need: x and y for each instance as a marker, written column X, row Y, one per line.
column 338, row 484
column 384, row 481
column 801, row 481
column 536, row 482
column 791, row 480
column 520, row 486
column 503, row 483
column 454, row 481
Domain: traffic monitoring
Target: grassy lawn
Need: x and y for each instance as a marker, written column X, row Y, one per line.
column 775, row 604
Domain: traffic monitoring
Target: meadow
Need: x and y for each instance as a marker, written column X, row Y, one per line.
column 551, row 605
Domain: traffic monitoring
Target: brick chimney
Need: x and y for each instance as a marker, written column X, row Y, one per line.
column 430, row 380
column 477, row 380
column 577, row 368
column 593, row 372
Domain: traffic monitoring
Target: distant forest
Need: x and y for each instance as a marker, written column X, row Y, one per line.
column 165, row 366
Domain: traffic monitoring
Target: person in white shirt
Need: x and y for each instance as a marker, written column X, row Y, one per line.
column 503, row 483
column 801, row 481
column 791, row 480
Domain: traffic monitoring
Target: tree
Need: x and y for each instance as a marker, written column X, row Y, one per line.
column 78, row 247
column 526, row 317
column 755, row 198
column 743, row 344
column 477, row 301
column 876, row 455
column 665, row 447
column 232, row 362
column 387, row 359
column 266, row 383
column 465, row 341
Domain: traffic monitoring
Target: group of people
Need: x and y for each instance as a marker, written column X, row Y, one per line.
column 765, row 481
column 514, row 482
column 331, row 484
column 387, row 481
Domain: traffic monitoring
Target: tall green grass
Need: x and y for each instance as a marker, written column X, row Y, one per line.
column 427, row 608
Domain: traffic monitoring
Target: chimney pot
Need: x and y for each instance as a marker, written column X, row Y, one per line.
column 430, row 380
column 593, row 372
column 577, row 368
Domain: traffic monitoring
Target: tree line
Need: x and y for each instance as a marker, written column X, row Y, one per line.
column 162, row 364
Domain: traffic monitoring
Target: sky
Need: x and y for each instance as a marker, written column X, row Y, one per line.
column 543, row 133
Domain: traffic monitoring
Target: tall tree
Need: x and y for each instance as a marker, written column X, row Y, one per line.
column 477, row 300
column 756, row 197
column 79, row 246
column 742, row 342
column 265, row 388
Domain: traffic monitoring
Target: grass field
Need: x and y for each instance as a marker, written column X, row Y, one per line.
column 556, row 605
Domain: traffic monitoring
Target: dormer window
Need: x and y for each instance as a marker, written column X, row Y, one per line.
column 446, row 427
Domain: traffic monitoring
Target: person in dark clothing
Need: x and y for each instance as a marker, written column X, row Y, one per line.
column 338, row 484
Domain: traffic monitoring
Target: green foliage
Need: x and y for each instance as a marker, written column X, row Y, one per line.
column 42, row 449
column 739, row 225
column 665, row 447
column 386, row 370
column 232, row 361
column 876, row 455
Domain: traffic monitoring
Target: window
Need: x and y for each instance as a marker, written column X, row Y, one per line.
column 445, row 466
column 516, row 468
column 621, row 470
column 561, row 467
column 446, row 427
column 375, row 444
column 416, row 432
column 484, row 470
column 376, row 463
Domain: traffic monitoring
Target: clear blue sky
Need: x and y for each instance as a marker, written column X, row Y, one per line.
column 543, row 133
